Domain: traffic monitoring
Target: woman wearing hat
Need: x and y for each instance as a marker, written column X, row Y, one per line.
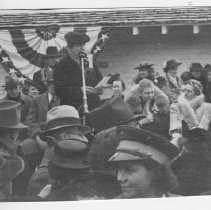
column 146, row 98
column 31, row 89
column 191, row 108
column 173, row 83
column 145, row 70
column 143, row 162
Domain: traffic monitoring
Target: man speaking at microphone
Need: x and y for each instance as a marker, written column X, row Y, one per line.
column 68, row 72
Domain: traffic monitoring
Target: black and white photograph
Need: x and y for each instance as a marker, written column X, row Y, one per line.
column 105, row 103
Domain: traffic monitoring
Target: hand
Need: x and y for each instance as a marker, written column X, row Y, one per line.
column 91, row 90
column 150, row 117
column 146, row 120
column 42, row 145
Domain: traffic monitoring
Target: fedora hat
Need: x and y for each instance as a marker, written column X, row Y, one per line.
column 113, row 112
column 68, row 154
column 170, row 64
column 76, row 38
column 139, row 144
column 52, row 52
column 10, row 166
column 10, row 82
column 63, row 116
column 144, row 65
column 10, row 114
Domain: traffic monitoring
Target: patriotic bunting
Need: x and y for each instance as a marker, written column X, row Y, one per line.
column 22, row 51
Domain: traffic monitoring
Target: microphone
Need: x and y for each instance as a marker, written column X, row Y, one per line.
column 82, row 55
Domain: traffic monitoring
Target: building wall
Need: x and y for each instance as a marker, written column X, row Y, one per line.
column 124, row 51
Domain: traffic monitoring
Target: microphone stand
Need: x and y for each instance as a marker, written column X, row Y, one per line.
column 82, row 56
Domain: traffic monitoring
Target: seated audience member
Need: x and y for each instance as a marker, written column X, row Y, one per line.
column 63, row 124
column 173, row 83
column 50, row 59
column 191, row 108
column 10, row 167
column 145, row 70
column 146, row 98
column 117, row 85
column 143, row 162
column 207, row 91
column 31, row 89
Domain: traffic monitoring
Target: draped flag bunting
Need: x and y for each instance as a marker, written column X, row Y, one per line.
column 22, row 51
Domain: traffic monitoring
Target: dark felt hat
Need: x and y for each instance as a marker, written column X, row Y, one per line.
column 10, row 166
column 196, row 67
column 52, row 52
column 170, row 64
column 10, row 114
column 139, row 144
column 76, row 38
column 10, row 82
column 144, row 65
column 113, row 112
column 69, row 154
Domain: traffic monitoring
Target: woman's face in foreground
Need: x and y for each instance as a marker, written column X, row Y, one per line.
column 135, row 179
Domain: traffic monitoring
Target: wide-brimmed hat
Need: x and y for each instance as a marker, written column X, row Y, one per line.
column 144, row 65
column 76, row 38
column 69, row 154
column 113, row 112
column 10, row 82
column 170, row 64
column 52, row 52
column 196, row 67
column 139, row 144
column 10, row 114
column 63, row 116
column 10, row 166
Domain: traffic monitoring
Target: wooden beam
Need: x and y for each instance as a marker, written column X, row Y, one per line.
column 196, row 29
column 164, row 30
column 135, row 31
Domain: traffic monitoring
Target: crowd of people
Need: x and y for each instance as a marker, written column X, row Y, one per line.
column 152, row 140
